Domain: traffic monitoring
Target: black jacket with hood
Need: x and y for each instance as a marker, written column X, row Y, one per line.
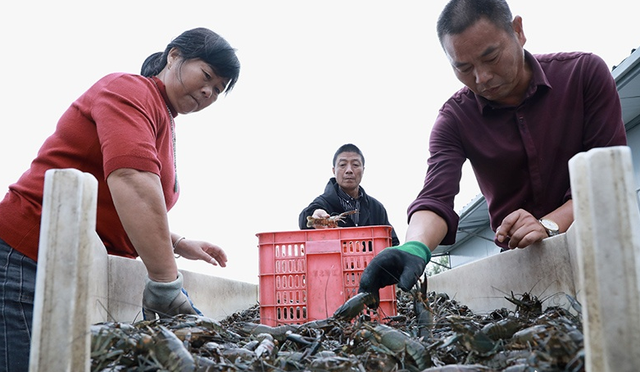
column 371, row 212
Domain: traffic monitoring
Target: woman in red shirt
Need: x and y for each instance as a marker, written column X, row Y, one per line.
column 121, row 130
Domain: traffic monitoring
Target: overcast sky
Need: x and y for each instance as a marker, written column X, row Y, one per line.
column 315, row 75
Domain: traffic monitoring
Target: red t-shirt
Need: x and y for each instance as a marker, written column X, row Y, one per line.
column 122, row 121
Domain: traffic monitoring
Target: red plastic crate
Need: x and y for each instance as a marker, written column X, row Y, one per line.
column 307, row 274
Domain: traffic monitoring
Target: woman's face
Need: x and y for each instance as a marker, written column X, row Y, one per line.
column 191, row 84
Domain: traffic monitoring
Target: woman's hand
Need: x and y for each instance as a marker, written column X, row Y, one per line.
column 199, row 250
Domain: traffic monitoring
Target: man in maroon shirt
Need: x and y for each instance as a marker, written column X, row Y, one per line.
column 518, row 120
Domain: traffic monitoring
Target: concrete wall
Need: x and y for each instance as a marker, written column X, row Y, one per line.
column 117, row 284
column 547, row 270
column 607, row 238
column 216, row 297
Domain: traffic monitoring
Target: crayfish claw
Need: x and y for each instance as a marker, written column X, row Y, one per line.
column 354, row 306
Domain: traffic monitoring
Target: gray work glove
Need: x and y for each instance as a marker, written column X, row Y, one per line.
column 166, row 300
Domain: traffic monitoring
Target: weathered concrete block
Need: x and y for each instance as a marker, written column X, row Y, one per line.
column 544, row 269
column 607, row 226
column 215, row 297
column 61, row 320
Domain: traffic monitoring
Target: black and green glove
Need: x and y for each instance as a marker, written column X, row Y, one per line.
column 401, row 265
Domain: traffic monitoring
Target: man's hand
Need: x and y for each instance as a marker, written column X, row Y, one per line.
column 402, row 264
column 521, row 229
column 166, row 300
column 320, row 214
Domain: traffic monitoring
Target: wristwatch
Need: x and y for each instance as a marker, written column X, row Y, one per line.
column 551, row 227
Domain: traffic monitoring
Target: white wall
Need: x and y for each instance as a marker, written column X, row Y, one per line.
column 633, row 140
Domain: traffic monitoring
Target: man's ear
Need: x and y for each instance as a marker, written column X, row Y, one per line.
column 519, row 30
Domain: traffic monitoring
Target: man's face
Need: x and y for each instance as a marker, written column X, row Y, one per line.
column 490, row 61
column 348, row 171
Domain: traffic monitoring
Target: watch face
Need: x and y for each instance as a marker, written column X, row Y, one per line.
column 549, row 225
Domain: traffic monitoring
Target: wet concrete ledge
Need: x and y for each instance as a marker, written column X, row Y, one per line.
column 216, row 297
column 547, row 270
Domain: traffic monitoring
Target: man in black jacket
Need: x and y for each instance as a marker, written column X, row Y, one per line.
column 343, row 193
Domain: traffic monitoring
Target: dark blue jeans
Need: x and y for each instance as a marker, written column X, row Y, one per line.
column 17, row 289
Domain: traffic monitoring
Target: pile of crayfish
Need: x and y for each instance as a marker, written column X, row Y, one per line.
column 430, row 333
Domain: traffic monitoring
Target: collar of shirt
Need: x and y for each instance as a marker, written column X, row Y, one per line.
column 349, row 204
column 343, row 195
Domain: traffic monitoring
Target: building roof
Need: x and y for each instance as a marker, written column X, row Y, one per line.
column 627, row 77
column 474, row 217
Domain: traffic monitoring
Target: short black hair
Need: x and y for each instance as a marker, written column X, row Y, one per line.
column 458, row 15
column 349, row 147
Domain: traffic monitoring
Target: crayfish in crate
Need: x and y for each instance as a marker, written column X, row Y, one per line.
column 328, row 222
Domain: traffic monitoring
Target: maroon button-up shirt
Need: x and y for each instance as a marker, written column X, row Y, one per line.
column 520, row 154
